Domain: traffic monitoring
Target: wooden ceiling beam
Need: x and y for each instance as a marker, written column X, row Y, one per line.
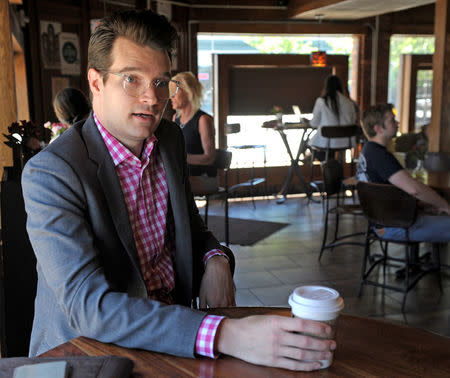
column 297, row 7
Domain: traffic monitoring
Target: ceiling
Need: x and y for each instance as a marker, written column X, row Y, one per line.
column 350, row 9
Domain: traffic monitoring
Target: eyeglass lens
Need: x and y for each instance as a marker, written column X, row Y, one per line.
column 136, row 85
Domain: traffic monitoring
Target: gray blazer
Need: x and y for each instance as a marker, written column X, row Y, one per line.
column 89, row 281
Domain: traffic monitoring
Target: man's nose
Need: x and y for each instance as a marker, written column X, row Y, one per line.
column 149, row 95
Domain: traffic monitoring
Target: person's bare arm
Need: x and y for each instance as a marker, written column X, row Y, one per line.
column 403, row 180
column 206, row 130
column 271, row 341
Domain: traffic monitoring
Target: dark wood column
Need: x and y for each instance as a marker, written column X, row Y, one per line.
column 382, row 77
column 439, row 132
column 365, row 49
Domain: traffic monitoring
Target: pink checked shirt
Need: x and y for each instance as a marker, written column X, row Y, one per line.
column 144, row 187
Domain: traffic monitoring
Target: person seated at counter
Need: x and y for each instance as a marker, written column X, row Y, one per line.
column 377, row 164
column 121, row 248
column 332, row 108
column 197, row 127
column 71, row 105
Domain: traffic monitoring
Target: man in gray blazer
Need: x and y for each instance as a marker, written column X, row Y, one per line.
column 121, row 249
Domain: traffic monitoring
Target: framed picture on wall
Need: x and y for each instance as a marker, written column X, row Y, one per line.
column 69, row 48
column 50, row 33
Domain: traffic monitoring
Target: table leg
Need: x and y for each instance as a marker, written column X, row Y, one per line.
column 294, row 168
column 285, row 187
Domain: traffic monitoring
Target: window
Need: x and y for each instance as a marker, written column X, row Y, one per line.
column 402, row 44
column 251, row 131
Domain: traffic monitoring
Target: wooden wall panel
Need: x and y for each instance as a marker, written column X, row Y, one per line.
column 439, row 131
column 224, row 63
column 8, row 112
column 255, row 90
column 418, row 20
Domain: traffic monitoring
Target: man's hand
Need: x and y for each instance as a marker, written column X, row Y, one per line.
column 271, row 341
column 216, row 289
column 445, row 209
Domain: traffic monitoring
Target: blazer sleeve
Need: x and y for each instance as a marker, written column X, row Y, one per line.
column 70, row 267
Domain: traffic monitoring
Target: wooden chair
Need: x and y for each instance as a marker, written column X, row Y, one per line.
column 385, row 205
column 18, row 277
column 333, row 175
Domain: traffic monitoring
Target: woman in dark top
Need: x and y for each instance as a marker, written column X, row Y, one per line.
column 197, row 126
column 71, row 105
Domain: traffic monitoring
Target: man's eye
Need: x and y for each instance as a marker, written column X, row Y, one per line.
column 131, row 79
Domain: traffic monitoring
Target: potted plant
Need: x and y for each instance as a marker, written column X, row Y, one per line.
column 26, row 139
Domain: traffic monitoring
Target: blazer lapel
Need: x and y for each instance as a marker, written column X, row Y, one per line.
column 173, row 161
column 111, row 187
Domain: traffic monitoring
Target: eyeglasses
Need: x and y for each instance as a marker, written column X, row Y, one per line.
column 135, row 85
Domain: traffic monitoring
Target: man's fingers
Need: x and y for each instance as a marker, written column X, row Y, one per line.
column 305, row 325
column 202, row 301
column 224, row 301
column 304, row 354
column 290, row 364
column 311, row 343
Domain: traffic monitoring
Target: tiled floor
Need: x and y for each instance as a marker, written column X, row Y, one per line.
column 267, row 272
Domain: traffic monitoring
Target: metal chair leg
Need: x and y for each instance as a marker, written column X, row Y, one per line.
column 437, row 263
column 408, row 249
column 364, row 263
column 325, row 231
column 206, row 210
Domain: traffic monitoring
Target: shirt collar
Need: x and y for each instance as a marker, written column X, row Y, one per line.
column 119, row 153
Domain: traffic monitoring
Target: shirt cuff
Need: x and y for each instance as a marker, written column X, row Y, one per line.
column 214, row 252
column 204, row 344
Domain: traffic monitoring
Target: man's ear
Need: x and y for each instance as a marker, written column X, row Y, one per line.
column 378, row 128
column 95, row 81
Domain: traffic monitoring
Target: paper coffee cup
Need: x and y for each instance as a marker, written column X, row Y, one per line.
column 318, row 303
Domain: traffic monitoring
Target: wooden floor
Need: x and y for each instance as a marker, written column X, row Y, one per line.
column 267, row 272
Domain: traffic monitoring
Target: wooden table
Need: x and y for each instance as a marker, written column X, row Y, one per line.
column 366, row 347
column 295, row 160
column 439, row 181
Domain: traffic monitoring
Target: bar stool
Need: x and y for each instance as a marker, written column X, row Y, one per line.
column 333, row 132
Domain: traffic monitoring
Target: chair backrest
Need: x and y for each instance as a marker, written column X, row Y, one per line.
column 387, row 205
column 340, row 131
column 333, row 175
column 223, row 159
column 437, row 161
column 19, row 280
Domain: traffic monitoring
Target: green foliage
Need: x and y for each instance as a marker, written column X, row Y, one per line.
column 405, row 45
column 300, row 45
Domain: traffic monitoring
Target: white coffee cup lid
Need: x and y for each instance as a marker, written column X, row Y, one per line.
column 316, row 302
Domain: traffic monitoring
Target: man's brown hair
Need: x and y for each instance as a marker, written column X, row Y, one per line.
column 142, row 27
column 374, row 116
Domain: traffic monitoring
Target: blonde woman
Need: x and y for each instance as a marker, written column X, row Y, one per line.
column 197, row 126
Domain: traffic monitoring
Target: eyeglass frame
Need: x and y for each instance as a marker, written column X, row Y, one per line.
column 123, row 75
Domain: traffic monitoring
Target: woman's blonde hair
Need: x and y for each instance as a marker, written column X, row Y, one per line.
column 193, row 88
